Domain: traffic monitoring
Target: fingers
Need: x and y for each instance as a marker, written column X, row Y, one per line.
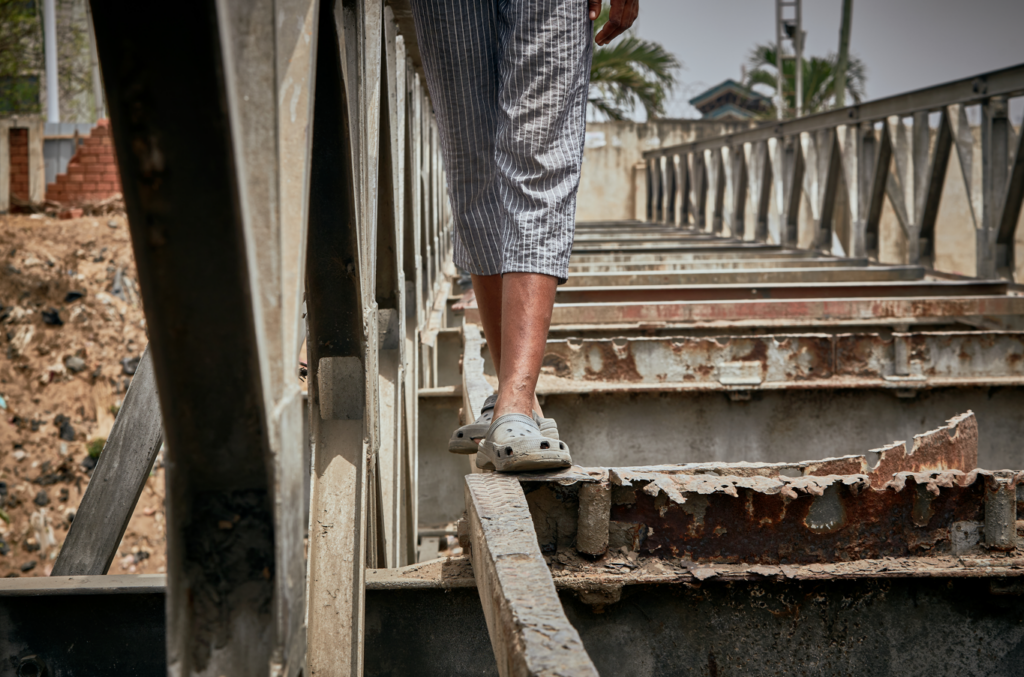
column 594, row 9
column 621, row 16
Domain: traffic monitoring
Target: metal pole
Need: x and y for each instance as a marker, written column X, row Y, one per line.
column 97, row 81
column 780, row 92
column 50, row 43
column 844, row 53
column 798, row 44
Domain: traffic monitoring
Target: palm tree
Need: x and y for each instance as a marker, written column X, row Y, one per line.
column 819, row 78
column 629, row 72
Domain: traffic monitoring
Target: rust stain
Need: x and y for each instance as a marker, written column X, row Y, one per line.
column 951, row 447
column 759, row 528
column 613, row 366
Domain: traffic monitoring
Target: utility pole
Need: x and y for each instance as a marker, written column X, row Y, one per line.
column 97, row 83
column 789, row 27
column 50, row 45
column 844, row 53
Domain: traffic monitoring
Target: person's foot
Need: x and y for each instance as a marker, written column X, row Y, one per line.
column 466, row 439
column 515, row 443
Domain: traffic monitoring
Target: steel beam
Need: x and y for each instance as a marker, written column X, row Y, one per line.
column 183, row 184
column 529, row 632
column 778, row 291
column 752, row 276
column 117, row 481
column 789, row 312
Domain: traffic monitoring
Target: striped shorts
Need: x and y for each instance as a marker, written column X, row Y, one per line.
column 508, row 81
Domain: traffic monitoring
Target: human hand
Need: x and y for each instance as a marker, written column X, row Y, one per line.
column 620, row 17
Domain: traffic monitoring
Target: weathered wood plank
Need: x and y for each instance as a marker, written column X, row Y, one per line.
column 117, row 481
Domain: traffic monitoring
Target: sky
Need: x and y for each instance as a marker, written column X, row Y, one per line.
column 905, row 44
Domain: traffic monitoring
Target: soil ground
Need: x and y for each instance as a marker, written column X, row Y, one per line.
column 70, row 318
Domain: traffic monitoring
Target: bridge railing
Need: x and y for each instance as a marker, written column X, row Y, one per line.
column 882, row 179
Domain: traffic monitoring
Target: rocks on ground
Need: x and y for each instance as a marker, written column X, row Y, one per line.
column 71, row 332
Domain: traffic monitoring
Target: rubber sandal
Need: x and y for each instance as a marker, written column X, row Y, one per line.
column 514, row 443
column 466, row 439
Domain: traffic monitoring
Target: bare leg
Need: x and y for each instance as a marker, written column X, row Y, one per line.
column 527, row 305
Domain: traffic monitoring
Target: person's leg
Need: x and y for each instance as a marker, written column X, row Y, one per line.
column 526, row 302
column 488, row 290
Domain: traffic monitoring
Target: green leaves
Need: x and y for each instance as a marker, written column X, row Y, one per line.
column 818, row 75
column 629, row 72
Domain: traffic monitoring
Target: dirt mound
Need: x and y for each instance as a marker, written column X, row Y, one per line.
column 71, row 330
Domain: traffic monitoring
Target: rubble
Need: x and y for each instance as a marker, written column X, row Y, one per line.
column 65, row 340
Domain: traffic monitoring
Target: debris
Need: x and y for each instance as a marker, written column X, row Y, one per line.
column 18, row 455
column 129, row 365
column 66, row 431
column 28, row 566
column 73, row 296
column 42, row 499
column 72, row 213
column 75, row 364
column 88, row 462
column 3, row 403
column 112, row 224
column 117, row 289
column 52, row 317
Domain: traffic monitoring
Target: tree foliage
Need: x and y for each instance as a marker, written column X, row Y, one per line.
column 818, row 75
column 22, row 60
column 21, row 56
column 628, row 73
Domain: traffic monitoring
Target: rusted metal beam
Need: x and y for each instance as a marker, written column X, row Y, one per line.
column 780, row 313
column 718, row 245
column 753, row 276
column 529, row 632
column 780, row 290
column 928, row 502
column 784, row 361
column 644, row 264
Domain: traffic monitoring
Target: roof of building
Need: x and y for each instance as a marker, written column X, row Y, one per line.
column 728, row 86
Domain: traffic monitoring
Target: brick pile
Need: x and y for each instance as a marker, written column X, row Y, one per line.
column 92, row 171
column 19, row 163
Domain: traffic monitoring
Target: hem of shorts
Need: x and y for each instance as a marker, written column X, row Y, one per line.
column 473, row 269
column 561, row 275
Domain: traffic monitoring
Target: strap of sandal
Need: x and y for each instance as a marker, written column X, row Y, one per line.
column 514, row 418
column 489, row 403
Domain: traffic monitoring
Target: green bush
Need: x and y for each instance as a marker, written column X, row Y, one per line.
column 96, row 446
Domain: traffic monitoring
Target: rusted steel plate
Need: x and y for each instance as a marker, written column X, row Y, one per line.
column 927, row 359
column 529, row 632
column 828, row 519
column 697, row 263
column 694, row 255
column 922, row 503
column 780, row 290
column 786, row 312
column 747, row 276
column 681, row 246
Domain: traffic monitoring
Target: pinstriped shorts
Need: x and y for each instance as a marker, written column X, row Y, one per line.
column 508, row 80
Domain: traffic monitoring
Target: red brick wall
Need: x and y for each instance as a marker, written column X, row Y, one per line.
column 19, row 163
column 92, row 171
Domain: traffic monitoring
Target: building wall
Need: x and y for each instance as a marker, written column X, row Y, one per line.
column 613, row 148
column 92, row 172
column 19, row 164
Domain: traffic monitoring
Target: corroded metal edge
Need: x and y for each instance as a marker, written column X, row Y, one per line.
column 529, row 631
column 953, row 446
column 456, row 572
